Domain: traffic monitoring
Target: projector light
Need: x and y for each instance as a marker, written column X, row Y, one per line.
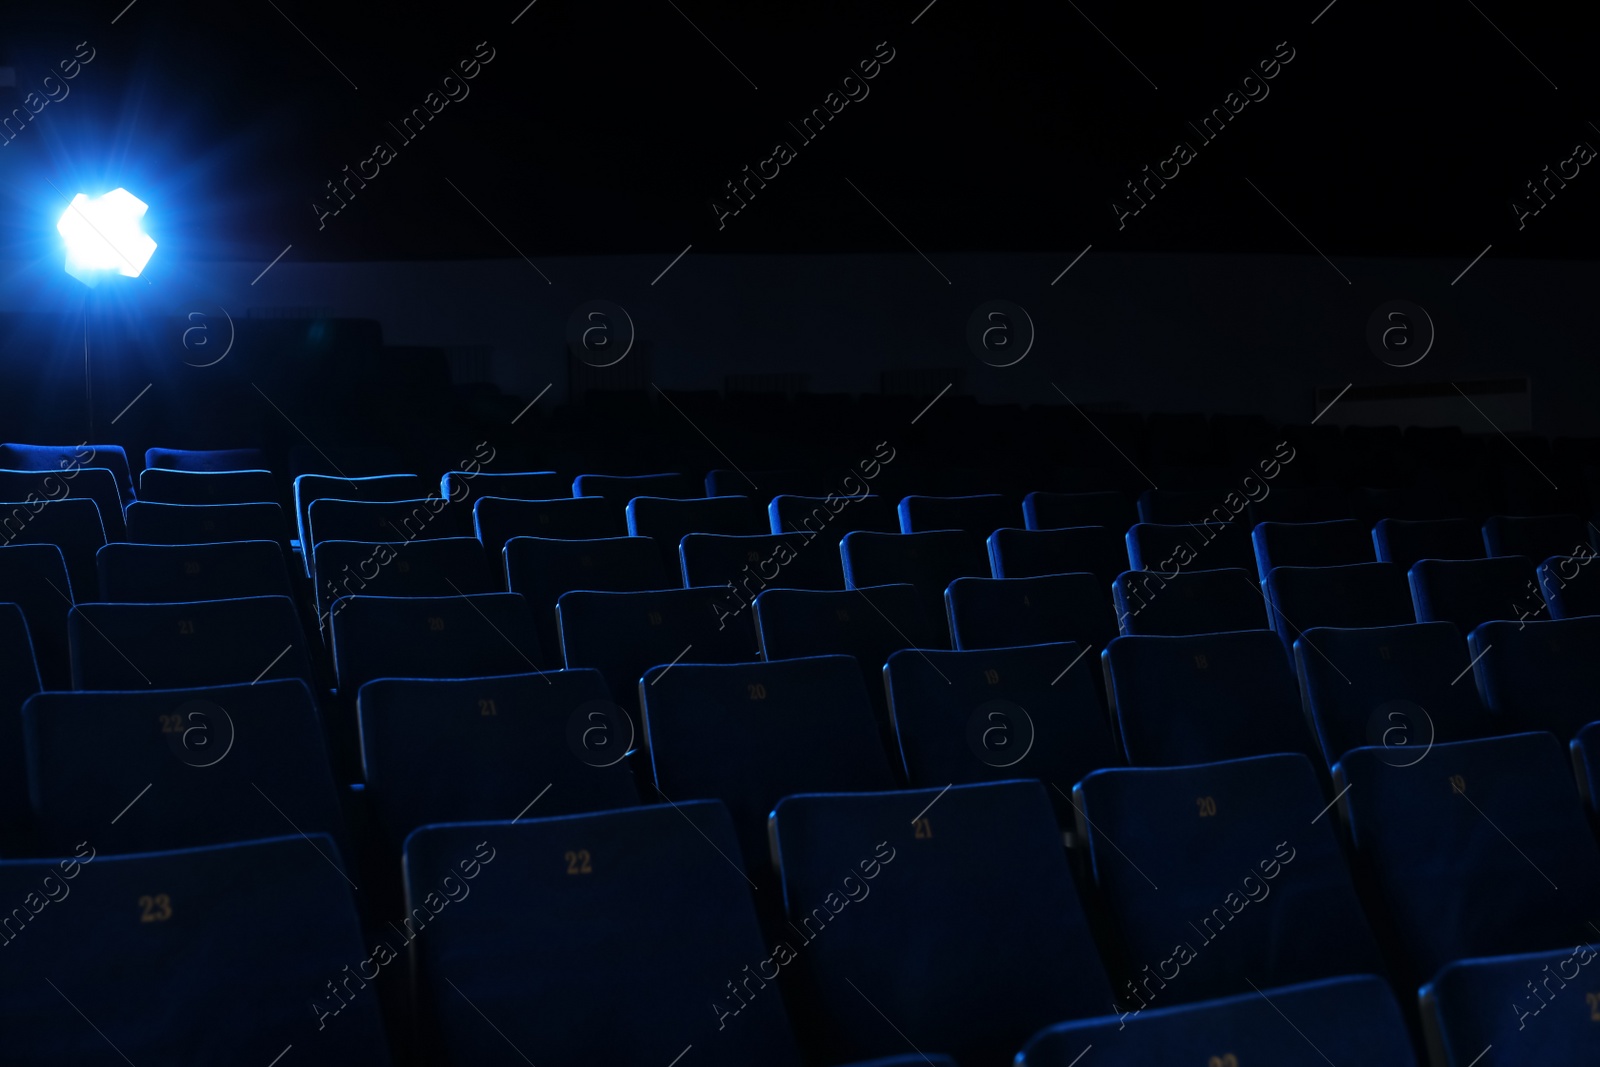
column 104, row 234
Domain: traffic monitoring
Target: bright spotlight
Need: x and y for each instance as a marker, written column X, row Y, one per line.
column 104, row 234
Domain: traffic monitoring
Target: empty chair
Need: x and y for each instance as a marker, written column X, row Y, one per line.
column 1571, row 587
column 1352, row 1020
column 831, row 517
column 1099, row 550
column 975, row 989
column 159, row 486
column 1357, row 594
column 1201, row 546
column 209, row 765
column 65, row 459
column 752, row 563
column 1002, row 612
column 617, row 490
column 1204, row 698
column 431, row 637
column 34, row 577
column 196, row 524
column 19, row 680
column 645, row 885
column 1404, row 541
column 1400, row 687
column 182, row 921
column 73, row 526
column 929, row 561
column 979, row 514
column 134, row 573
column 1310, row 544
column 1257, row 891
column 207, row 459
column 667, row 521
column 542, row 569
column 309, row 487
column 493, row 746
column 1479, row 850
column 1463, row 1009
column 1053, row 511
column 457, row 486
column 174, row 646
column 385, row 520
column 750, row 734
column 497, row 520
column 1469, row 591
column 1189, row 602
column 992, row 714
column 444, row 566
column 1535, row 536
column 1539, row 675
column 90, row 483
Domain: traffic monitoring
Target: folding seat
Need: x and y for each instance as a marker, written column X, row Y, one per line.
column 1355, row 595
column 208, row 766
column 542, row 569
column 667, row 521
column 1002, row 612
column 385, row 520
column 1253, row 891
column 458, row 486
column 750, row 734
column 1402, row 687
column 1100, row 550
column 964, row 955
column 160, row 486
column 1301, row 504
column 617, row 490
column 61, row 459
column 753, row 563
column 1054, row 511
column 73, row 526
column 436, row 567
column 199, row 524
column 1539, row 675
column 34, row 577
column 1204, row 698
column 431, row 637
column 309, row 487
column 152, row 574
column 1201, row 546
column 1188, row 602
column 209, row 459
column 493, row 745
column 89, row 483
column 929, row 561
column 1469, row 591
column 992, row 714
column 181, row 922
column 175, row 646
column 980, row 515
column 1535, row 536
column 1571, row 586
column 646, row 886
column 1481, row 849
column 1464, row 1009
column 1310, row 544
column 1174, row 507
column 19, row 680
column 1353, row 1020
column 497, row 520
column 832, row 516
column 1404, row 541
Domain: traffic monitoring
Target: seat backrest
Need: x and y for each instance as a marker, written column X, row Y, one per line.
column 209, row 756
column 1464, row 1008
column 431, row 637
column 667, row 520
column 497, row 520
column 639, row 884
column 386, row 520
column 755, row 562
column 1404, row 541
column 617, row 490
column 1099, row 550
column 210, row 459
column 73, row 526
column 1469, row 591
column 1166, row 548
column 1184, row 506
column 65, row 459
column 1303, row 504
column 981, row 514
column 1188, row 602
column 542, row 569
column 1051, row 511
column 197, row 524
column 89, row 483
column 493, row 746
column 1003, row 612
column 1310, row 544
column 1535, row 536
column 34, row 577
column 1586, row 761
column 149, row 574
column 1356, row 594
column 176, row 646
column 929, row 561
column 767, row 484
column 976, row 990
column 1571, row 587
column 309, row 487
column 181, row 921
column 515, row 485
column 829, row 518
column 160, row 486
column 1539, row 675
column 19, row 680
column 441, row 566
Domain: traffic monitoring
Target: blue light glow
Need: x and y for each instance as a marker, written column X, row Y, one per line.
column 105, row 234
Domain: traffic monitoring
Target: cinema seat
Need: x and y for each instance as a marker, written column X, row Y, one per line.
column 1099, row 550
column 208, row 765
column 310, row 487
column 1054, row 511
column 61, row 459
column 73, row 526
column 1405, row 541
column 199, row 524
column 1184, row 506
column 980, row 514
column 90, row 483
column 1310, row 544
column 667, row 521
column 752, row 563
column 1464, row 1009
column 441, row 566
column 1223, row 858
column 617, row 490
column 831, row 517
column 160, row 486
column 202, row 460
column 542, row 569
column 1302, row 504
column 1535, row 536
column 431, row 637
column 766, row 484
column 1481, row 849
column 962, row 954
column 385, row 520
column 1585, row 748
column 1203, row 698
column 1469, row 591
column 152, row 574
column 994, row 714
column 34, row 577
column 1189, row 602
column 1250, row 1026
column 497, row 520
column 646, row 885
column 750, row 734
column 1004, row 612
column 19, row 680
column 929, row 561
column 1571, row 586
column 181, row 921
column 175, row 646
column 1203, row 546
column 1353, row 595
column 458, row 486
column 493, row 746
column 1539, row 675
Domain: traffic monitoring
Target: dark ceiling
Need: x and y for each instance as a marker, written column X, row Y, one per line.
column 606, row 127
